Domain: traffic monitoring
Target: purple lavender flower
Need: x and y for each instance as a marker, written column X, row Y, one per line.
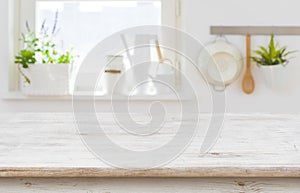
column 27, row 26
column 43, row 25
column 55, row 22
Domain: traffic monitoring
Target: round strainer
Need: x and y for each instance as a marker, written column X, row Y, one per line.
column 221, row 63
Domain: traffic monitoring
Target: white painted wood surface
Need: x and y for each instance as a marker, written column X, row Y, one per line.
column 47, row 145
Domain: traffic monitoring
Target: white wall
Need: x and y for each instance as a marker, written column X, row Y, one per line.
column 197, row 16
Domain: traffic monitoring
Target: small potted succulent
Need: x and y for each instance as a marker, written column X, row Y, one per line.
column 43, row 67
column 273, row 61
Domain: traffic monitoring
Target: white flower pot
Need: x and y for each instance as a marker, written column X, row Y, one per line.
column 275, row 76
column 46, row 79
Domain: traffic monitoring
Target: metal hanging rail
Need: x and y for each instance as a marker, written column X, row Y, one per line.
column 255, row 30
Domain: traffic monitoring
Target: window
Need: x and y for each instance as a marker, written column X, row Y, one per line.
column 83, row 23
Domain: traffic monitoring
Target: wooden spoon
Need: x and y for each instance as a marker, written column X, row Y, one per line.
column 248, row 81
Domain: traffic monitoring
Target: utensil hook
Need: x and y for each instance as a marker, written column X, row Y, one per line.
column 221, row 36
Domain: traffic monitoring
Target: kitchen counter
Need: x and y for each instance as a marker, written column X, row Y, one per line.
column 256, row 146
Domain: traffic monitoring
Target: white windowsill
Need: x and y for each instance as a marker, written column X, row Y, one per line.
column 17, row 95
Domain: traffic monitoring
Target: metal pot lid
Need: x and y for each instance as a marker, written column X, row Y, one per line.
column 221, row 63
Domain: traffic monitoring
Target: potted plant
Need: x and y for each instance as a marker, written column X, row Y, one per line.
column 44, row 69
column 273, row 61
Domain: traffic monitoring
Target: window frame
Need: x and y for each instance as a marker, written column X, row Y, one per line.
column 17, row 12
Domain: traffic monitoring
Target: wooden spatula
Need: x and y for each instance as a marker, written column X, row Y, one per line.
column 248, row 81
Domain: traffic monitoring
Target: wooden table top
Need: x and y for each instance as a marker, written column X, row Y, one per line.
column 48, row 145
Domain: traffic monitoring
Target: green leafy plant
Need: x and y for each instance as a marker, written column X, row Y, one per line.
column 272, row 55
column 41, row 48
column 25, row 58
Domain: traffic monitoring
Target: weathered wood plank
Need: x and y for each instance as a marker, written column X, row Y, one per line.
column 150, row 185
column 48, row 145
column 174, row 172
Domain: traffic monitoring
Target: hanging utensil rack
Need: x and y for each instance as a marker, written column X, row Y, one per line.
column 255, row 30
column 248, row 31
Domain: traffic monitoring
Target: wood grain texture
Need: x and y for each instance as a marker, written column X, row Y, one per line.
column 149, row 185
column 48, row 145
